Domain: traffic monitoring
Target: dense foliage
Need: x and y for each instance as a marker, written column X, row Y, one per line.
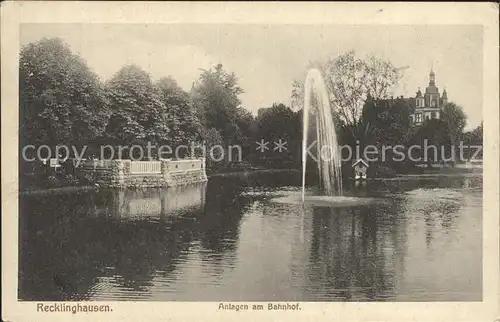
column 63, row 102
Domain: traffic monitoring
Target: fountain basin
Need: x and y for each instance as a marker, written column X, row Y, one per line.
column 325, row 201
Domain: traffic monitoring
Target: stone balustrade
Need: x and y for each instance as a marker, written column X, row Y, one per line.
column 144, row 174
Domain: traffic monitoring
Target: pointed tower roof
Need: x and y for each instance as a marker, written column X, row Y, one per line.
column 432, row 78
column 445, row 94
column 419, row 93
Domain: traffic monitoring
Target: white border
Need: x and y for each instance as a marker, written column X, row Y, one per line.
column 486, row 14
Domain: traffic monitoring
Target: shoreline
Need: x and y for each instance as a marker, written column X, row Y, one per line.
column 57, row 190
column 66, row 189
column 244, row 172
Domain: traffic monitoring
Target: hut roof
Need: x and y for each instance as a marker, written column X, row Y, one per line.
column 362, row 161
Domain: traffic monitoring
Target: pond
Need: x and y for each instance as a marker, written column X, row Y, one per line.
column 228, row 239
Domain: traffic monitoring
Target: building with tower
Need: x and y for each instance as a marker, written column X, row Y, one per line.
column 428, row 105
column 422, row 107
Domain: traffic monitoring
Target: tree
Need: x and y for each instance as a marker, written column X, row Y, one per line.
column 434, row 132
column 212, row 139
column 247, row 129
column 454, row 119
column 277, row 122
column 182, row 120
column 389, row 121
column 138, row 113
column 349, row 80
column 280, row 124
column 216, row 98
column 477, row 139
column 61, row 100
column 473, row 138
column 477, row 135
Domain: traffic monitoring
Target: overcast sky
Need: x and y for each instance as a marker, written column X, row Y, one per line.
column 267, row 58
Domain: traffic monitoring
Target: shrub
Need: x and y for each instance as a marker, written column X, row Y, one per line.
column 381, row 171
column 70, row 180
column 85, row 179
column 53, row 181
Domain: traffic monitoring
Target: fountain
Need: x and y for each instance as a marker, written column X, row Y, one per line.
column 316, row 100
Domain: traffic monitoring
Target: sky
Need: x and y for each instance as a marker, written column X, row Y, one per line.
column 268, row 58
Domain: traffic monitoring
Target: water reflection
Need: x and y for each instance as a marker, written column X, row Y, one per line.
column 69, row 242
column 352, row 253
column 227, row 240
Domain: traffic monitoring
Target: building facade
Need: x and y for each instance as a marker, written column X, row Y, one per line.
column 428, row 105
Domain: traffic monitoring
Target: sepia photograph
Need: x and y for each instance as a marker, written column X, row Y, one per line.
column 238, row 163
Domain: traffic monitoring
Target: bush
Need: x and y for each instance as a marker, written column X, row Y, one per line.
column 53, row 181
column 70, row 180
column 85, row 179
column 380, row 171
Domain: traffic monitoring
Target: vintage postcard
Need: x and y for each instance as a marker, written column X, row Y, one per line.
column 177, row 161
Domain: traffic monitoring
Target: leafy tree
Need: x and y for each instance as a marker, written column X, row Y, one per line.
column 183, row 122
column 212, row 139
column 61, row 100
column 473, row 138
column 386, row 123
column 477, row 135
column 280, row 123
column 434, row 132
column 247, row 129
column 454, row 119
column 349, row 80
column 138, row 113
column 389, row 121
column 477, row 139
column 215, row 96
column 277, row 122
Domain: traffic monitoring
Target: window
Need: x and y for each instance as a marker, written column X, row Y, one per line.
column 433, row 115
column 433, row 103
column 418, row 117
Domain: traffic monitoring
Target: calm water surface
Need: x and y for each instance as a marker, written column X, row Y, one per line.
column 420, row 240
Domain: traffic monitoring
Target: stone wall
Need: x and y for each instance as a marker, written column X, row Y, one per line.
column 102, row 173
column 182, row 172
column 116, row 173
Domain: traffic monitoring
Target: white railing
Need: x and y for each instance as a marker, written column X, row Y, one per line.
column 145, row 167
